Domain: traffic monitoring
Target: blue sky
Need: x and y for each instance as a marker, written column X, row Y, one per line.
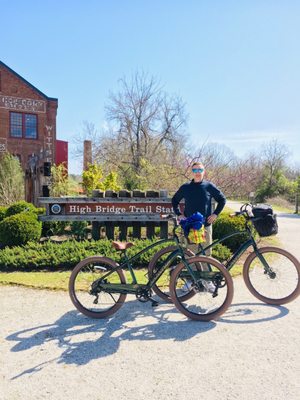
column 236, row 64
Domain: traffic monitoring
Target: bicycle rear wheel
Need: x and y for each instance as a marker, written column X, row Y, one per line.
column 273, row 278
column 99, row 304
column 161, row 286
column 213, row 289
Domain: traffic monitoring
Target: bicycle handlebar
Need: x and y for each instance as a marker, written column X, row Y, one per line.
column 172, row 217
column 237, row 213
column 168, row 216
column 246, row 210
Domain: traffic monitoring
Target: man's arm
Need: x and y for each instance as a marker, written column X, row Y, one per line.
column 176, row 199
column 220, row 198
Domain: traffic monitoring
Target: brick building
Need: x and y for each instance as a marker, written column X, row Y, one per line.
column 28, row 129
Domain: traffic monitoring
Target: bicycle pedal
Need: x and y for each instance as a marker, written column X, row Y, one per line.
column 154, row 303
column 96, row 300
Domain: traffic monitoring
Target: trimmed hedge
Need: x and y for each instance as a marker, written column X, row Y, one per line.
column 225, row 225
column 19, row 207
column 65, row 255
column 19, row 229
column 2, row 212
column 221, row 252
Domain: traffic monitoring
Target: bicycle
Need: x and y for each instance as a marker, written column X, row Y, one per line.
column 98, row 286
column 270, row 273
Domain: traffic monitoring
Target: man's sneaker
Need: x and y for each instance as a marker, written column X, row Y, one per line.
column 209, row 286
column 187, row 287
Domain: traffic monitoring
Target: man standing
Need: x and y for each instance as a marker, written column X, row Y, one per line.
column 197, row 195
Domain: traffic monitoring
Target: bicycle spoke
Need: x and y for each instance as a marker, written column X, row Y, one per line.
column 91, row 299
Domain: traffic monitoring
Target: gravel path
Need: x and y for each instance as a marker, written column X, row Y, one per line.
column 49, row 351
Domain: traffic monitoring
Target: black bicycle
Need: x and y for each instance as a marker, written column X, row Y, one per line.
column 270, row 273
column 98, row 286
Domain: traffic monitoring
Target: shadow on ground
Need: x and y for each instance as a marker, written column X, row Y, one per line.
column 84, row 339
column 252, row 313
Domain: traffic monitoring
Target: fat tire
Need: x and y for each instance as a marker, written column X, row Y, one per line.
column 177, row 300
column 94, row 314
column 246, row 271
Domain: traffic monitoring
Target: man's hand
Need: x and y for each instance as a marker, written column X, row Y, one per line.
column 211, row 219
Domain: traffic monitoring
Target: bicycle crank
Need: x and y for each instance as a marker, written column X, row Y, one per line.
column 144, row 295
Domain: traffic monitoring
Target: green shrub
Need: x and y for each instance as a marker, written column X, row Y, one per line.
column 79, row 229
column 50, row 228
column 65, row 255
column 221, row 252
column 225, row 225
column 40, row 211
column 2, row 212
column 19, row 207
column 19, row 229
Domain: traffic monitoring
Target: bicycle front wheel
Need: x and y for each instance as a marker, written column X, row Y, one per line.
column 95, row 303
column 273, row 275
column 213, row 289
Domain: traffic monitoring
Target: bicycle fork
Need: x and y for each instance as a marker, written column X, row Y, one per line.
column 267, row 269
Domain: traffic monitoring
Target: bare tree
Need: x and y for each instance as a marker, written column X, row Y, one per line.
column 237, row 177
column 247, row 174
column 89, row 132
column 220, row 163
column 274, row 155
column 146, row 126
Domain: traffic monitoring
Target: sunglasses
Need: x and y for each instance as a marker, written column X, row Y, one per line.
column 197, row 170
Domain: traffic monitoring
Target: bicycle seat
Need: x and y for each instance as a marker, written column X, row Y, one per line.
column 122, row 245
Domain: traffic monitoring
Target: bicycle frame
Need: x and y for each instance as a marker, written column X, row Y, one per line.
column 134, row 286
column 239, row 252
column 127, row 263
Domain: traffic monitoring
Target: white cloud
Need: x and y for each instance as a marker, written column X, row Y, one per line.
column 251, row 137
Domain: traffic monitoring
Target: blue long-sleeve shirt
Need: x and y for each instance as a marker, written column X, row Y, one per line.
column 197, row 196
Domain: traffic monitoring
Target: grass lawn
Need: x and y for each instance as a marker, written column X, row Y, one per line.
column 59, row 280
column 51, row 280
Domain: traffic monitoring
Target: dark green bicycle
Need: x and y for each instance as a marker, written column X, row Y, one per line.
column 98, row 286
column 270, row 273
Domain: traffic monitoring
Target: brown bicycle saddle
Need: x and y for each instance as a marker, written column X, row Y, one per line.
column 122, row 245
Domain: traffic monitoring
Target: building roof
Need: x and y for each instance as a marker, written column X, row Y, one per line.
column 26, row 82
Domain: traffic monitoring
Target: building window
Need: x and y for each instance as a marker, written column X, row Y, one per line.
column 23, row 125
column 16, row 125
column 30, row 126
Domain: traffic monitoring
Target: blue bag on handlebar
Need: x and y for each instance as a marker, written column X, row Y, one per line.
column 193, row 227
